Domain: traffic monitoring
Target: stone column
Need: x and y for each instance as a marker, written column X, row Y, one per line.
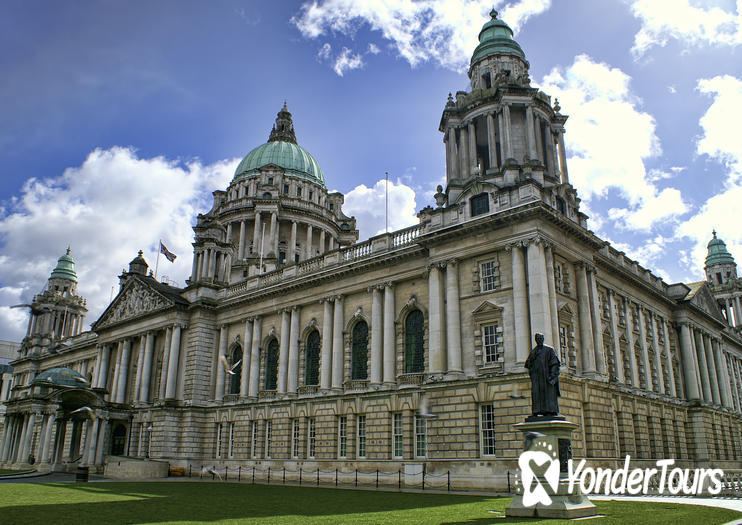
column 140, row 366
column 112, row 396
column 551, row 282
column 491, row 140
column 46, row 455
column 501, row 135
column 241, row 245
column 520, row 306
column 618, row 357
column 28, row 437
column 597, row 323
column 722, row 374
column 657, row 359
column 337, row 343
column 220, row 372
column 453, row 160
column 283, row 350
column 165, row 362
column 508, row 131
column 390, row 375
column 530, row 142
column 100, row 441
column 453, row 318
column 472, row 148
column 728, row 310
column 124, row 374
column 463, row 152
column 585, row 320
column 322, row 241
column 102, row 374
column 645, row 350
column 435, row 320
column 254, row 384
column 377, row 334
column 172, row 367
column 737, row 310
column 711, row 364
column 5, row 439
column 449, row 155
column 538, row 293
column 256, row 234
column 668, row 361
column 562, row 157
column 292, row 254
column 147, row 367
column 274, row 233
column 212, row 263
column 332, row 243
column 245, row 370
column 293, row 379
column 325, row 371
column 701, row 357
column 309, row 251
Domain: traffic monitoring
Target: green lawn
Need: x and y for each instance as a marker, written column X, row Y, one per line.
column 6, row 472
column 186, row 502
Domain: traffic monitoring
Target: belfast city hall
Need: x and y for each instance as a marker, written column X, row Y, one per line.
column 294, row 346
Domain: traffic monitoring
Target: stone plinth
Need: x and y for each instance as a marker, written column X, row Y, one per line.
column 553, row 438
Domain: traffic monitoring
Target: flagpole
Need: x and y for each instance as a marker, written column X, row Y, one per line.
column 386, row 203
column 157, row 265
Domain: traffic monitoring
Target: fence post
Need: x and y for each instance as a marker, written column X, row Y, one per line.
column 336, row 477
column 284, row 475
column 377, row 478
column 201, row 474
column 253, row 475
column 356, row 477
column 399, row 480
column 449, row 481
column 226, row 473
column 300, row 476
column 189, row 470
column 239, row 472
column 508, row 481
column 269, row 475
column 423, row 477
column 318, row 476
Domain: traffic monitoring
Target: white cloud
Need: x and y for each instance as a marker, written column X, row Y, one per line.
column 720, row 141
column 324, row 51
column 368, row 204
column 602, row 155
column 346, row 61
column 663, row 20
column 107, row 209
column 373, row 49
column 442, row 31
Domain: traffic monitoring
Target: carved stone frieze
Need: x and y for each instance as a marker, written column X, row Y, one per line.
column 135, row 301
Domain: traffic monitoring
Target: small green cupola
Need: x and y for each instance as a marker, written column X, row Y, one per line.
column 720, row 266
column 65, row 268
column 496, row 38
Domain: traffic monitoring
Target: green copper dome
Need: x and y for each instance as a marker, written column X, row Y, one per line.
column 496, row 38
column 65, row 268
column 718, row 253
column 282, row 150
column 61, row 377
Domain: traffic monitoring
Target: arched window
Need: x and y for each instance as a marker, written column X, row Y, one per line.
column 359, row 351
column 414, row 358
column 312, row 359
column 271, row 365
column 234, row 380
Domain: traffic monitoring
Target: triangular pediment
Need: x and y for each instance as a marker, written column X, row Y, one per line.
column 136, row 299
column 487, row 308
column 705, row 300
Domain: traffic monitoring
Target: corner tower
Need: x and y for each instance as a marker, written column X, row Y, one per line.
column 721, row 274
column 504, row 133
column 58, row 312
column 276, row 212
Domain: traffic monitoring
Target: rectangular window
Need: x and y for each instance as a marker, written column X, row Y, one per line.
column 311, row 438
column 480, row 204
column 492, row 341
column 342, row 436
column 487, row 426
column 270, row 180
column 397, row 440
column 231, row 440
column 254, row 440
column 362, row 436
column 285, row 189
column 295, row 440
column 419, row 436
column 563, row 345
column 298, row 191
column 268, row 431
column 311, row 194
column 489, row 276
column 332, row 206
column 218, row 440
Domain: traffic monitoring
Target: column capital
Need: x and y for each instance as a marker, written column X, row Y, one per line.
column 295, row 308
column 388, row 284
column 451, row 262
column 328, row 299
column 338, row 298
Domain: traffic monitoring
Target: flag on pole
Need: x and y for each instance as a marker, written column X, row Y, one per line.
column 167, row 253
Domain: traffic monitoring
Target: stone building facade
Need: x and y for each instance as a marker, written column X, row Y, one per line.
column 293, row 345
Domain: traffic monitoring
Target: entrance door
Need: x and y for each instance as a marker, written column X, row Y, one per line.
column 118, row 440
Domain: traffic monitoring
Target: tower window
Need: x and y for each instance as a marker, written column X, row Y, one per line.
column 298, row 191
column 480, row 204
column 359, row 354
column 270, row 180
column 487, row 81
column 332, row 206
column 310, row 195
column 285, row 189
column 718, row 277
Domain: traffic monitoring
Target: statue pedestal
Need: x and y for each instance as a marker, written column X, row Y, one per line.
column 554, row 438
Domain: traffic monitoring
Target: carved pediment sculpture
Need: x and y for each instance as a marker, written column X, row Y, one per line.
column 135, row 300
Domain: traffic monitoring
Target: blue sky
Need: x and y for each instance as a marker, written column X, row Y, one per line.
column 120, row 118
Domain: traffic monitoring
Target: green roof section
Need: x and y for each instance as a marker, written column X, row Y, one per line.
column 283, row 151
column 496, row 38
column 61, row 377
column 717, row 252
column 65, row 268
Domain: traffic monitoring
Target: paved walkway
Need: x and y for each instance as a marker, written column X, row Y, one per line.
column 722, row 503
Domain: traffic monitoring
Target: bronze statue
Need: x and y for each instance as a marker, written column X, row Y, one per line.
column 543, row 367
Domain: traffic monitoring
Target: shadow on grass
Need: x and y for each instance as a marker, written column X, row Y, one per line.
column 97, row 503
